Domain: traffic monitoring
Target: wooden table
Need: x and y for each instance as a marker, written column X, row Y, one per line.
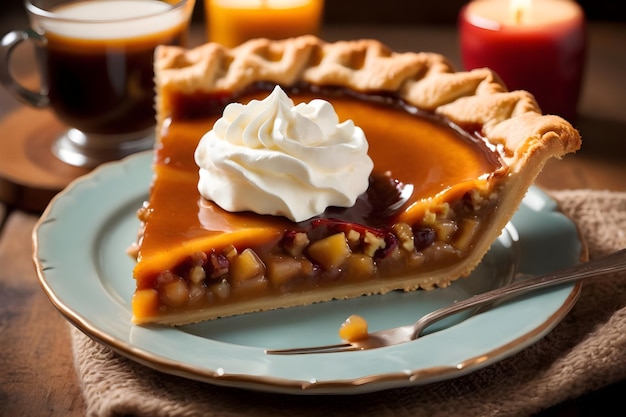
column 36, row 371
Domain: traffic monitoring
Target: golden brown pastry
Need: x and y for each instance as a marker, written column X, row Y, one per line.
column 453, row 155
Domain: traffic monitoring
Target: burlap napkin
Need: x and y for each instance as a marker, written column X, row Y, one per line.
column 583, row 353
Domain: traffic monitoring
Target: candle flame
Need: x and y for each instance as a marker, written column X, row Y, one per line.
column 519, row 9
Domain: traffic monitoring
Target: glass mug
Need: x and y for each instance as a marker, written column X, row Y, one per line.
column 96, row 65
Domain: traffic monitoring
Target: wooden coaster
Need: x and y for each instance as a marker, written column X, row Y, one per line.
column 30, row 174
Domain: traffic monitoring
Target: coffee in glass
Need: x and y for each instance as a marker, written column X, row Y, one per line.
column 97, row 70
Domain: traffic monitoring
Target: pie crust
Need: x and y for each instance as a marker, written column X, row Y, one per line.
column 510, row 122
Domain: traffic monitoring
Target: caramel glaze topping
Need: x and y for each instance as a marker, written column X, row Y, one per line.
column 428, row 158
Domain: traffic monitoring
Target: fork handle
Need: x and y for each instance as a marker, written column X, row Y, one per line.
column 614, row 262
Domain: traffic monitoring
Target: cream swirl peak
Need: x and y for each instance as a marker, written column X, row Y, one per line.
column 272, row 157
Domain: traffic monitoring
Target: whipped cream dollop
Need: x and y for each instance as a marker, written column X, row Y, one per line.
column 272, row 157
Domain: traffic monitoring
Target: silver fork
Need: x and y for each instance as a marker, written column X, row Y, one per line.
column 614, row 262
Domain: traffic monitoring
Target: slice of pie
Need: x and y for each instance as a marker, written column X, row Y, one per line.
column 453, row 154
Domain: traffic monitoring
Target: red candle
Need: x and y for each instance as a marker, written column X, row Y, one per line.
column 538, row 47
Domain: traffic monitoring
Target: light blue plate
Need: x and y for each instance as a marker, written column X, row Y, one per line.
column 80, row 244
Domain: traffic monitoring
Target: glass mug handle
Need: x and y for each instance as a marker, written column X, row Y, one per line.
column 9, row 42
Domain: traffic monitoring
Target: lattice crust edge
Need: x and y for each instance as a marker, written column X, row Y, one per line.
column 511, row 120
